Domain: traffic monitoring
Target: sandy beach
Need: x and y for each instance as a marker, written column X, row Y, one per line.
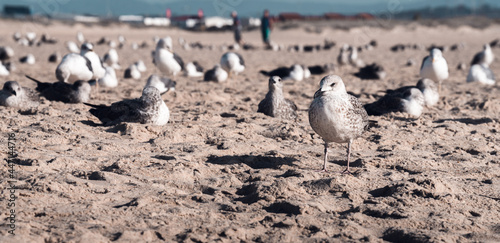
column 221, row 172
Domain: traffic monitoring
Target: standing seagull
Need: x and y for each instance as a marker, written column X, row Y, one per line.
column 275, row 104
column 232, row 62
column 149, row 109
column 13, row 95
column 485, row 56
column 74, row 67
column 434, row 67
column 165, row 60
column 336, row 115
column 87, row 50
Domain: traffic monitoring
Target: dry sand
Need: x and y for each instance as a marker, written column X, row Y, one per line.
column 219, row 171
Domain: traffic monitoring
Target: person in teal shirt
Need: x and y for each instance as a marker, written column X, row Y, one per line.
column 266, row 26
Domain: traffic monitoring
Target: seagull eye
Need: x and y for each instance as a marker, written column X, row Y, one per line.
column 333, row 84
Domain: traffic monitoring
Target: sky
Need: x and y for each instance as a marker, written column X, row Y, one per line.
column 246, row 8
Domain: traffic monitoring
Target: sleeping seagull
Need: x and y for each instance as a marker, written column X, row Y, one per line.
column 216, row 74
column 481, row 73
column 275, row 104
column 141, row 66
column 295, row 72
column 434, row 67
column 3, row 70
column 13, row 95
column 77, row 92
column 6, row 53
column 485, row 56
column 336, row 115
column 109, row 80
column 55, row 57
column 149, row 109
column 426, row 86
column 165, row 60
column 193, row 69
column 232, row 62
column 28, row 59
column 132, row 72
column 111, row 59
column 410, row 101
column 161, row 83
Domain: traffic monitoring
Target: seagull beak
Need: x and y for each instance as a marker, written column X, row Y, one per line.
column 433, row 60
column 318, row 93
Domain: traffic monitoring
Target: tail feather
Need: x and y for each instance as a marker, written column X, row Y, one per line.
column 265, row 72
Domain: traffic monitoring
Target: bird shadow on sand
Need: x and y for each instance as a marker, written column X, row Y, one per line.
column 357, row 163
column 121, row 127
column 467, row 121
column 91, row 123
column 255, row 162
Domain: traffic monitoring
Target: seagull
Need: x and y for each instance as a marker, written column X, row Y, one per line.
column 485, row 56
column 132, row 72
column 163, row 84
column 149, row 109
column 72, row 47
column 343, row 57
column 6, row 53
column 74, row 67
column 275, row 104
column 31, row 37
column 193, row 69
column 372, row 71
column 111, row 59
column 321, row 69
column 295, row 72
column 55, row 57
column 28, row 59
column 109, row 80
column 77, row 92
column 429, row 90
column 481, row 73
column 232, row 62
column 141, row 66
column 434, row 67
column 336, row 115
column 3, row 70
column 409, row 100
column 87, row 50
column 80, row 37
column 165, row 60
column 13, row 95
column 216, row 74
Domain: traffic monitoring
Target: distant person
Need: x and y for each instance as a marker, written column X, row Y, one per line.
column 237, row 27
column 266, row 26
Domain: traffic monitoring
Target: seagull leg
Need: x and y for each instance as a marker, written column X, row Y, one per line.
column 346, row 171
column 326, row 157
column 439, row 87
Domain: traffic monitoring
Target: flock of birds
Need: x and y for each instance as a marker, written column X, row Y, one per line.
column 334, row 114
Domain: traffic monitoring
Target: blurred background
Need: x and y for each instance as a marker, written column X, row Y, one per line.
column 202, row 14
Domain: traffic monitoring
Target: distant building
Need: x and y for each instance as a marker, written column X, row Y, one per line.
column 16, row 10
column 289, row 16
